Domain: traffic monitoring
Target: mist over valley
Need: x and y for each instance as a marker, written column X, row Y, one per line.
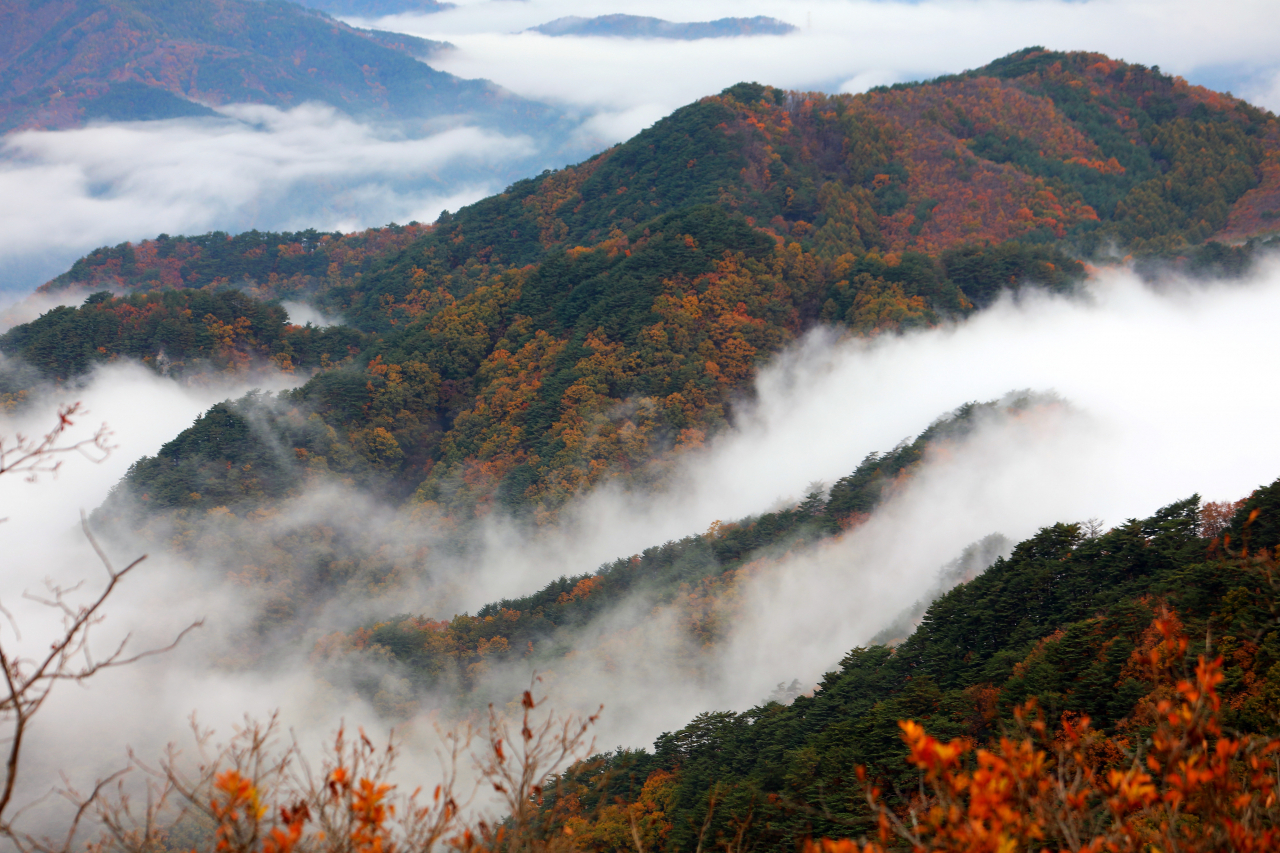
column 738, row 423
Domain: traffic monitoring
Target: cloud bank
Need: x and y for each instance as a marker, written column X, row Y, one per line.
column 257, row 167
column 842, row 45
column 1166, row 392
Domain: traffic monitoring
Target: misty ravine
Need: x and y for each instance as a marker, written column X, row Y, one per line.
column 788, row 419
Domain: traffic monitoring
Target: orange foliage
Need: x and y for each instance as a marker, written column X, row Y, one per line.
column 348, row 256
column 1216, row 515
column 1110, row 166
column 581, row 589
column 642, row 825
column 1192, row 788
column 255, row 798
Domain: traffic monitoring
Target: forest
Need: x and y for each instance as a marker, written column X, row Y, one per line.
column 599, row 324
column 1069, row 619
column 696, row 576
column 592, row 322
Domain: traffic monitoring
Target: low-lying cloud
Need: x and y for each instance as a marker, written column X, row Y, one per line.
column 256, row 167
column 1165, row 392
column 840, row 46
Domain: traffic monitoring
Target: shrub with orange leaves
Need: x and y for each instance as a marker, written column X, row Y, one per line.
column 251, row 797
column 1188, row 787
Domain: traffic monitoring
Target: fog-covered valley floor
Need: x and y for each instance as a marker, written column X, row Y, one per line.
column 1162, row 391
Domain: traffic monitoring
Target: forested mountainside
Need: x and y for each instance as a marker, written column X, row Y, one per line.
column 1067, row 619
column 697, row 578
column 588, row 321
column 64, row 63
column 296, row 564
column 592, row 324
column 177, row 332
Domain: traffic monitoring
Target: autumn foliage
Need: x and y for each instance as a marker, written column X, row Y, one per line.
column 254, row 795
column 1188, row 786
column 597, row 322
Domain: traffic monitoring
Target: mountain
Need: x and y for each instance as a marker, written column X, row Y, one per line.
column 636, row 26
column 419, row 48
column 64, row 63
column 696, row 580
column 592, row 322
column 1066, row 619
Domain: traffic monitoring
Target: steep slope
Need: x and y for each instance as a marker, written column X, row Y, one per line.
column 696, row 581
column 588, row 321
column 1065, row 619
column 65, row 62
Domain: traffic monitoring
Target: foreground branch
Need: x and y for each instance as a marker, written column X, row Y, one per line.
column 28, row 681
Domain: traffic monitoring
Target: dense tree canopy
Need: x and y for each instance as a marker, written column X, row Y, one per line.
column 1066, row 620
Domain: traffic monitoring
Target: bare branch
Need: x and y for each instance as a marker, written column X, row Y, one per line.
column 28, row 682
column 33, row 457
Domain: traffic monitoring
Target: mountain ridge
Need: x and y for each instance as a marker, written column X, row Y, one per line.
column 64, row 63
column 588, row 321
column 593, row 324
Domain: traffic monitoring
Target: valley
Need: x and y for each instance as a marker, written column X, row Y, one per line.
column 791, row 418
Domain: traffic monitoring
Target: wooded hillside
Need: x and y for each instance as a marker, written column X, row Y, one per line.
column 590, row 320
column 65, row 63
column 1067, row 620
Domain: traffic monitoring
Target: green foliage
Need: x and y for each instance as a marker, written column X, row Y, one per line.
column 683, row 161
column 1063, row 619
column 1101, row 191
column 227, row 456
column 1190, row 163
column 174, row 332
column 133, row 101
column 982, row 272
column 860, row 492
column 617, row 294
column 1211, row 260
column 202, row 260
column 1260, row 531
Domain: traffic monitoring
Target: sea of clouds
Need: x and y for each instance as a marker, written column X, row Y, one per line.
column 1166, row 389
column 309, row 167
column 1164, row 392
column 840, row 46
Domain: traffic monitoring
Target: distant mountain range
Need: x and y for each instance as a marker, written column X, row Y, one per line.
column 636, row 26
column 65, row 63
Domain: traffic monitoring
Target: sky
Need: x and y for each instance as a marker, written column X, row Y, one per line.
column 258, row 167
